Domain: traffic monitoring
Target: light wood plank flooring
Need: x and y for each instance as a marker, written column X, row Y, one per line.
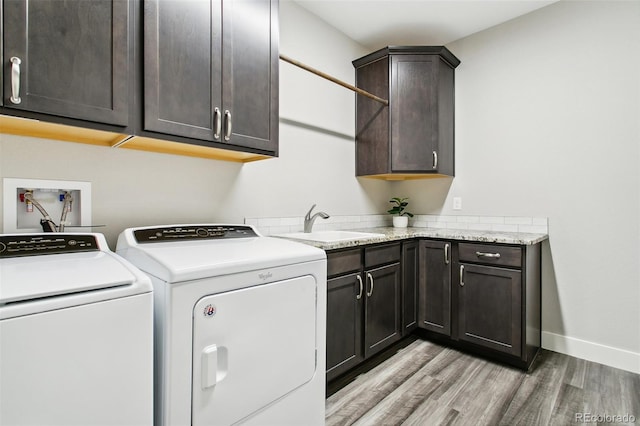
column 428, row 384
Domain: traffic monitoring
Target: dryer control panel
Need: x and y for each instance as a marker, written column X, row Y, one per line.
column 50, row 243
column 192, row 232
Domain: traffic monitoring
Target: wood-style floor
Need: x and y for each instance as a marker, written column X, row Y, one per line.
column 428, row 384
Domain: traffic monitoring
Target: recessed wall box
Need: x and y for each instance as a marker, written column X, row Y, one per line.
column 21, row 216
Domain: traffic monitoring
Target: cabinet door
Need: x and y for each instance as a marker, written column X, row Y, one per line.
column 435, row 287
column 382, row 308
column 344, row 323
column 490, row 307
column 409, row 287
column 73, row 58
column 250, row 73
column 414, row 113
column 182, row 67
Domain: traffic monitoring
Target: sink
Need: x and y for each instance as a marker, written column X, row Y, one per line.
column 331, row 236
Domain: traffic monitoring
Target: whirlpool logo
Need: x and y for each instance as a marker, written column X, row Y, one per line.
column 265, row 275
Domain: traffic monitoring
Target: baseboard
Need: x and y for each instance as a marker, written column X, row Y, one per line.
column 607, row 355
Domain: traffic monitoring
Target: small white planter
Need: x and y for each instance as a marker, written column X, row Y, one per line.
column 400, row 221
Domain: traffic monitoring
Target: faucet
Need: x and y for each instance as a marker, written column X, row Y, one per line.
column 308, row 219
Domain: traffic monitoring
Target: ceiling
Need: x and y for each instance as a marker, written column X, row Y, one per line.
column 379, row 23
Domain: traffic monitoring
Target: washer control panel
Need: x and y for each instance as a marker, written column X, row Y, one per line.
column 192, row 232
column 50, row 243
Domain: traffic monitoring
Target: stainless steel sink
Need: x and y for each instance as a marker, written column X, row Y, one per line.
column 331, row 236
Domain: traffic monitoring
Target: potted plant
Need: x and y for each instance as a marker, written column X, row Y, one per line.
column 401, row 216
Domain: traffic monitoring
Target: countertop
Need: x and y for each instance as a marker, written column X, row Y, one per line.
column 389, row 234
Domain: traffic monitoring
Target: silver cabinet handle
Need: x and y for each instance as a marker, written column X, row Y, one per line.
column 461, row 275
column 359, row 296
column 227, row 121
column 369, row 293
column 446, row 254
column 15, row 80
column 435, row 160
column 217, row 123
column 489, row 255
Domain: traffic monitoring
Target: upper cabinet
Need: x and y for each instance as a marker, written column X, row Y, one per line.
column 68, row 59
column 412, row 137
column 211, row 71
column 197, row 77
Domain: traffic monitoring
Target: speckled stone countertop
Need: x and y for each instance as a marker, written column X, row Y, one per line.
column 397, row 234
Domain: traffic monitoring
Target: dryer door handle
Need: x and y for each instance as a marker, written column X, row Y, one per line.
column 214, row 365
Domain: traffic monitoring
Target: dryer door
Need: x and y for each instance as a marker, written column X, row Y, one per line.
column 251, row 347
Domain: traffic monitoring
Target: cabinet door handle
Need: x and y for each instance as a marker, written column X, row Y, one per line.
column 15, row 80
column 227, row 122
column 435, row 160
column 369, row 293
column 446, row 254
column 461, row 275
column 217, row 123
column 489, row 255
column 359, row 296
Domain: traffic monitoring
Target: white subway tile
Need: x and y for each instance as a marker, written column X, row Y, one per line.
column 439, row 225
column 492, row 219
column 268, row 221
column 504, row 228
column 288, row 221
column 521, row 220
column 456, row 225
column 468, row 219
column 478, row 227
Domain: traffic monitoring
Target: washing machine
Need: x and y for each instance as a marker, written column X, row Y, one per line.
column 76, row 333
column 240, row 322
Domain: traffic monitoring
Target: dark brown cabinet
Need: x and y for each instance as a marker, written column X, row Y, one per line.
column 363, row 304
column 344, row 324
column 70, row 59
column 211, row 71
column 435, row 286
column 196, row 77
column 414, row 135
column 482, row 297
column 490, row 308
column 410, row 259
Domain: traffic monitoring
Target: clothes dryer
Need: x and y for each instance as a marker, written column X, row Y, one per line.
column 240, row 322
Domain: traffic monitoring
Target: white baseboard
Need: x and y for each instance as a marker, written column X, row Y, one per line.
column 607, row 355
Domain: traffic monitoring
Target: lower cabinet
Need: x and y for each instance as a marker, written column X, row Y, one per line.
column 363, row 304
column 482, row 297
column 490, row 308
column 435, row 286
column 410, row 270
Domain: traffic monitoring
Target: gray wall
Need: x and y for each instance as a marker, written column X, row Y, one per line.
column 547, row 124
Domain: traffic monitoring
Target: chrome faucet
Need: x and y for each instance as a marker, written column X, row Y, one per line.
column 308, row 219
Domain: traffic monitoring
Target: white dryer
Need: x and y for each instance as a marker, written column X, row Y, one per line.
column 76, row 333
column 240, row 324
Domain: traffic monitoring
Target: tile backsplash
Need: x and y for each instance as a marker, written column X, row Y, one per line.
column 284, row 225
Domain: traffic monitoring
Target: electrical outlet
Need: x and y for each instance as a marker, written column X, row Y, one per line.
column 457, row 203
column 21, row 215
